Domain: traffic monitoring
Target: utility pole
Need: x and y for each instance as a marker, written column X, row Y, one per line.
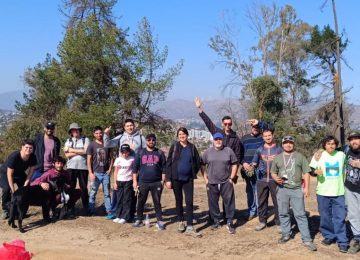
column 339, row 131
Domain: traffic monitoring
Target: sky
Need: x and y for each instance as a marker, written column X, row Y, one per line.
column 31, row 29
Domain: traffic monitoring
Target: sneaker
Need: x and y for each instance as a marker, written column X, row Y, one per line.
column 278, row 228
column 310, row 245
column 110, row 216
column 138, row 223
column 230, row 228
column 181, row 227
column 355, row 247
column 4, row 215
column 343, row 249
column 327, row 242
column 122, row 221
column 190, row 231
column 260, row 226
column 251, row 217
column 215, row 225
column 160, row 225
column 116, row 220
column 283, row 239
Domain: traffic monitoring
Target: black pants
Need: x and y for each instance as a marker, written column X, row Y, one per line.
column 125, row 199
column 263, row 189
column 226, row 191
column 82, row 175
column 188, row 188
column 156, row 189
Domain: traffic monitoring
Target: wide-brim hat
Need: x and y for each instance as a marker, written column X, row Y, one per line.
column 74, row 126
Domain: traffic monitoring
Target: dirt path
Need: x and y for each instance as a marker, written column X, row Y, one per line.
column 97, row 238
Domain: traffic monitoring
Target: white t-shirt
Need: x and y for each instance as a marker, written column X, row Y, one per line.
column 124, row 168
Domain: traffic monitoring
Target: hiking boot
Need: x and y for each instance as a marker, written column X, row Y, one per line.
column 138, row 223
column 4, row 215
column 284, row 238
column 215, row 225
column 343, row 249
column 160, row 225
column 190, row 231
column 230, row 228
column 310, row 245
column 355, row 247
column 260, row 226
column 181, row 227
column 110, row 216
column 327, row 242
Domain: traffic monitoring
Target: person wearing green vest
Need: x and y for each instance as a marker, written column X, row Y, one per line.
column 330, row 190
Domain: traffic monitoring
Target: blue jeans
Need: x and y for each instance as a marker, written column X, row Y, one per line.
column 104, row 179
column 251, row 195
column 36, row 174
column 332, row 218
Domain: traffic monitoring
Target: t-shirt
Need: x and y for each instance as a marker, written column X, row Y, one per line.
column 184, row 169
column 218, row 164
column 49, row 144
column 14, row 161
column 150, row 165
column 124, row 168
column 292, row 167
column 331, row 182
column 263, row 158
column 100, row 157
column 352, row 179
column 77, row 162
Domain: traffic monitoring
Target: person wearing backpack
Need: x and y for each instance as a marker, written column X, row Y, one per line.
column 75, row 151
column 136, row 141
column 183, row 164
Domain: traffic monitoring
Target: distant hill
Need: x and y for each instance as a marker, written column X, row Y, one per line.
column 7, row 99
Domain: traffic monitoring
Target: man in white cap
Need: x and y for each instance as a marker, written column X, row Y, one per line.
column 75, row 150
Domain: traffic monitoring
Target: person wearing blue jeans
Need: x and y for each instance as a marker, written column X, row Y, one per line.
column 99, row 165
column 330, row 171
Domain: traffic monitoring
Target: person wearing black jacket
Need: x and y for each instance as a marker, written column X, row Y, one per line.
column 183, row 164
column 47, row 147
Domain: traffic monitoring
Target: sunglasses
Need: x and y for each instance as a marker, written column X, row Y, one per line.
column 227, row 124
column 50, row 128
column 218, row 139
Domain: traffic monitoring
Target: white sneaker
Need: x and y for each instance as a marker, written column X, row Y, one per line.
column 116, row 220
column 122, row 221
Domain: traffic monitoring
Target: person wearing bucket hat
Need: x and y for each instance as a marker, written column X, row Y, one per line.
column 75, row 151
column 46, row 147
column 288, row 169
column 352, row 188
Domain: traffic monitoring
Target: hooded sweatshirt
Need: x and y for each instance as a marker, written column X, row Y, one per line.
column 135, row 140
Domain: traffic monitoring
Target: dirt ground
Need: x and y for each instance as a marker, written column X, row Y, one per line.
column 97, row 238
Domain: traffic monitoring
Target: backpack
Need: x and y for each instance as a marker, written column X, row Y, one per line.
column 72, row 143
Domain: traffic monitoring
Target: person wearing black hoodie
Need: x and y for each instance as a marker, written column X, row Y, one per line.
column 182, row 166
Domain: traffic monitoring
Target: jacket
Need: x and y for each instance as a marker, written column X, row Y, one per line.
column 39, row 150
column 135, row 140
column 230, row 140
column 173, row 159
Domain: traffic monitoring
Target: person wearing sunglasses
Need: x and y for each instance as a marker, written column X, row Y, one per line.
column 47, row 147
column 149, row 176
column 219, row 167
column 288, row 170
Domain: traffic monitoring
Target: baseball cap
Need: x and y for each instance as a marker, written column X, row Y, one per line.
column 125, row 148
column 354, row 134
column 50, row 125
column 150, row 136
column 218, row 136
column 288, row 138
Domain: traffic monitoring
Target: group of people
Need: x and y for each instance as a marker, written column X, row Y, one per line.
column 269, row 169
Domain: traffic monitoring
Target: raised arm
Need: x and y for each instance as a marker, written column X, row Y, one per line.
column 209, row 124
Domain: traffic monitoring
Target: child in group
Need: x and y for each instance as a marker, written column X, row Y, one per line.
column 123, row 184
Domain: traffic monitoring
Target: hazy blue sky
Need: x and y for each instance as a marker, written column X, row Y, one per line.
column 30, row 29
